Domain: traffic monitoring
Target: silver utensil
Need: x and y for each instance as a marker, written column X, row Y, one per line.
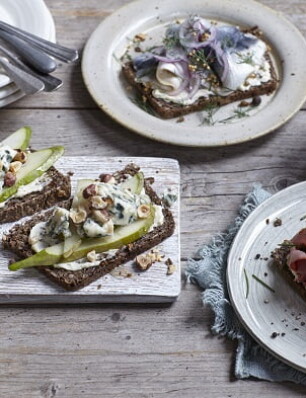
column 26, row 82
column 51, row 83
column 60, row 52
column 34, row 57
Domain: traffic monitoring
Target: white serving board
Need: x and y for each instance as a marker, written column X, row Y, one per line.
column 154, row 285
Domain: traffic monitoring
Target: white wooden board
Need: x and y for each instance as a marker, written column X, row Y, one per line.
column 154, row 285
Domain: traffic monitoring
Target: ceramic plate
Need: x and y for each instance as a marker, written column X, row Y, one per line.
column 125, row 283
column 101, row 69
column 262, row 311
column 32, row 16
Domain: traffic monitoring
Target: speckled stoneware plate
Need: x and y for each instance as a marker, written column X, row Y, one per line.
column 276, row 319
column 32, row 16
column 101, row 70
column 125, row 283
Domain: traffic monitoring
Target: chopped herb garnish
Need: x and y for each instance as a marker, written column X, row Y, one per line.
column 247, row 283
column 171, row 41
column 142, row 104
column 263, row 283
column 246, row 58
column 208, row 118
column 238, row 114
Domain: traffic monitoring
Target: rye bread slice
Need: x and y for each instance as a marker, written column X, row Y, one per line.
column 16, row 240
column 168, row 110
column 55, row 191
column 280, row 262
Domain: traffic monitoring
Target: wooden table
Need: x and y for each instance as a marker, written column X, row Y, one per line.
column 139, row 351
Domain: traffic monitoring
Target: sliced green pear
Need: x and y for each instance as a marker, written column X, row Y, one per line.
column 20, row 139
column 37, row 163
column 135, row 184
column 122, row 236
column 72, row 243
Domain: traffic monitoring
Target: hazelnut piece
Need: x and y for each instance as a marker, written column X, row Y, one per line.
column 9, row 179
column 15, row 166
column 96, row 202
column 89, row 191
column 20, row 157
column 143, row 211
column 78, row 216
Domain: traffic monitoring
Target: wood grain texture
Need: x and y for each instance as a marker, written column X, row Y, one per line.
column 140, row 351
column 154, row 285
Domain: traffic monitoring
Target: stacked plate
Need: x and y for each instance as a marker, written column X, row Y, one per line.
column 32, row 16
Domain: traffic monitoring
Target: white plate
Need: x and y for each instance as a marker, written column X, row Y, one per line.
column 265, row 312
column 101, row 69
column 153, row 285
column 32, row 16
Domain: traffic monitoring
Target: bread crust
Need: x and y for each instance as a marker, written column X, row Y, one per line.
column 57, row 190
column 16, row 240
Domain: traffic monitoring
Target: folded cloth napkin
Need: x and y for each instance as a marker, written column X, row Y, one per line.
column 210, row 273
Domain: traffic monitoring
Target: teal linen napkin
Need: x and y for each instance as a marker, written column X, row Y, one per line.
column 209, row 272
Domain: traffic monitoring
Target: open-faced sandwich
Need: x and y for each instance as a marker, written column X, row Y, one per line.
column 108, row 222
column 28, row 181
column 290, row 258
column 199, row 64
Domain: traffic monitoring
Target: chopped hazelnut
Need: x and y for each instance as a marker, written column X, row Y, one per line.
column 144, row 261
column 1, row 165
column 143, row 211
column 96, row 202
column 89, row 191
column 101, row 216
column 20, row 157
column 9, row 179
column 91, row 256
column 107, row 178
column 15, row 166
column 78, row 216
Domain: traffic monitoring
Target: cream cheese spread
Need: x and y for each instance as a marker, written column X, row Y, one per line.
column 35, row 186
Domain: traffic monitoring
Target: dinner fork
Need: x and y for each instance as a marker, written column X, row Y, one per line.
column 26, row 82
column 51, row 83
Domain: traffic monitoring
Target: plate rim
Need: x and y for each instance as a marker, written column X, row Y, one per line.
column 230, row 261
column 129, row 123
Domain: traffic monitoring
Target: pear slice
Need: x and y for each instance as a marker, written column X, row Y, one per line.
column 20, row 139
column 35, row 166
column 122, row 236
column 135, row 184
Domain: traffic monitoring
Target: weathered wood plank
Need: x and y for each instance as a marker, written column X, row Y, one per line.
column 139, row 351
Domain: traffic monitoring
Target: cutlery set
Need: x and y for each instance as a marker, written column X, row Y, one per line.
column 28, row 59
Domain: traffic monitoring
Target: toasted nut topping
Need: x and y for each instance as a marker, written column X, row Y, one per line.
column 107, row 178
column 89, row 191
column 1, row 165
column 171, row 269
column 20, row 157
column 9, row 179
column 101, row 216
column 143, row 211
column 109, row 201
column 144, row 261
column 78, row 216
column 15, row 166
column 96, row 202
column 91, row 256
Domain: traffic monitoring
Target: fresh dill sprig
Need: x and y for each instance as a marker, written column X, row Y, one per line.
column 239, row 113
column 208, row 117
column 246, row 58
column 142, row 104
column 263, row 283
column 171, row 41
column 247, row 283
